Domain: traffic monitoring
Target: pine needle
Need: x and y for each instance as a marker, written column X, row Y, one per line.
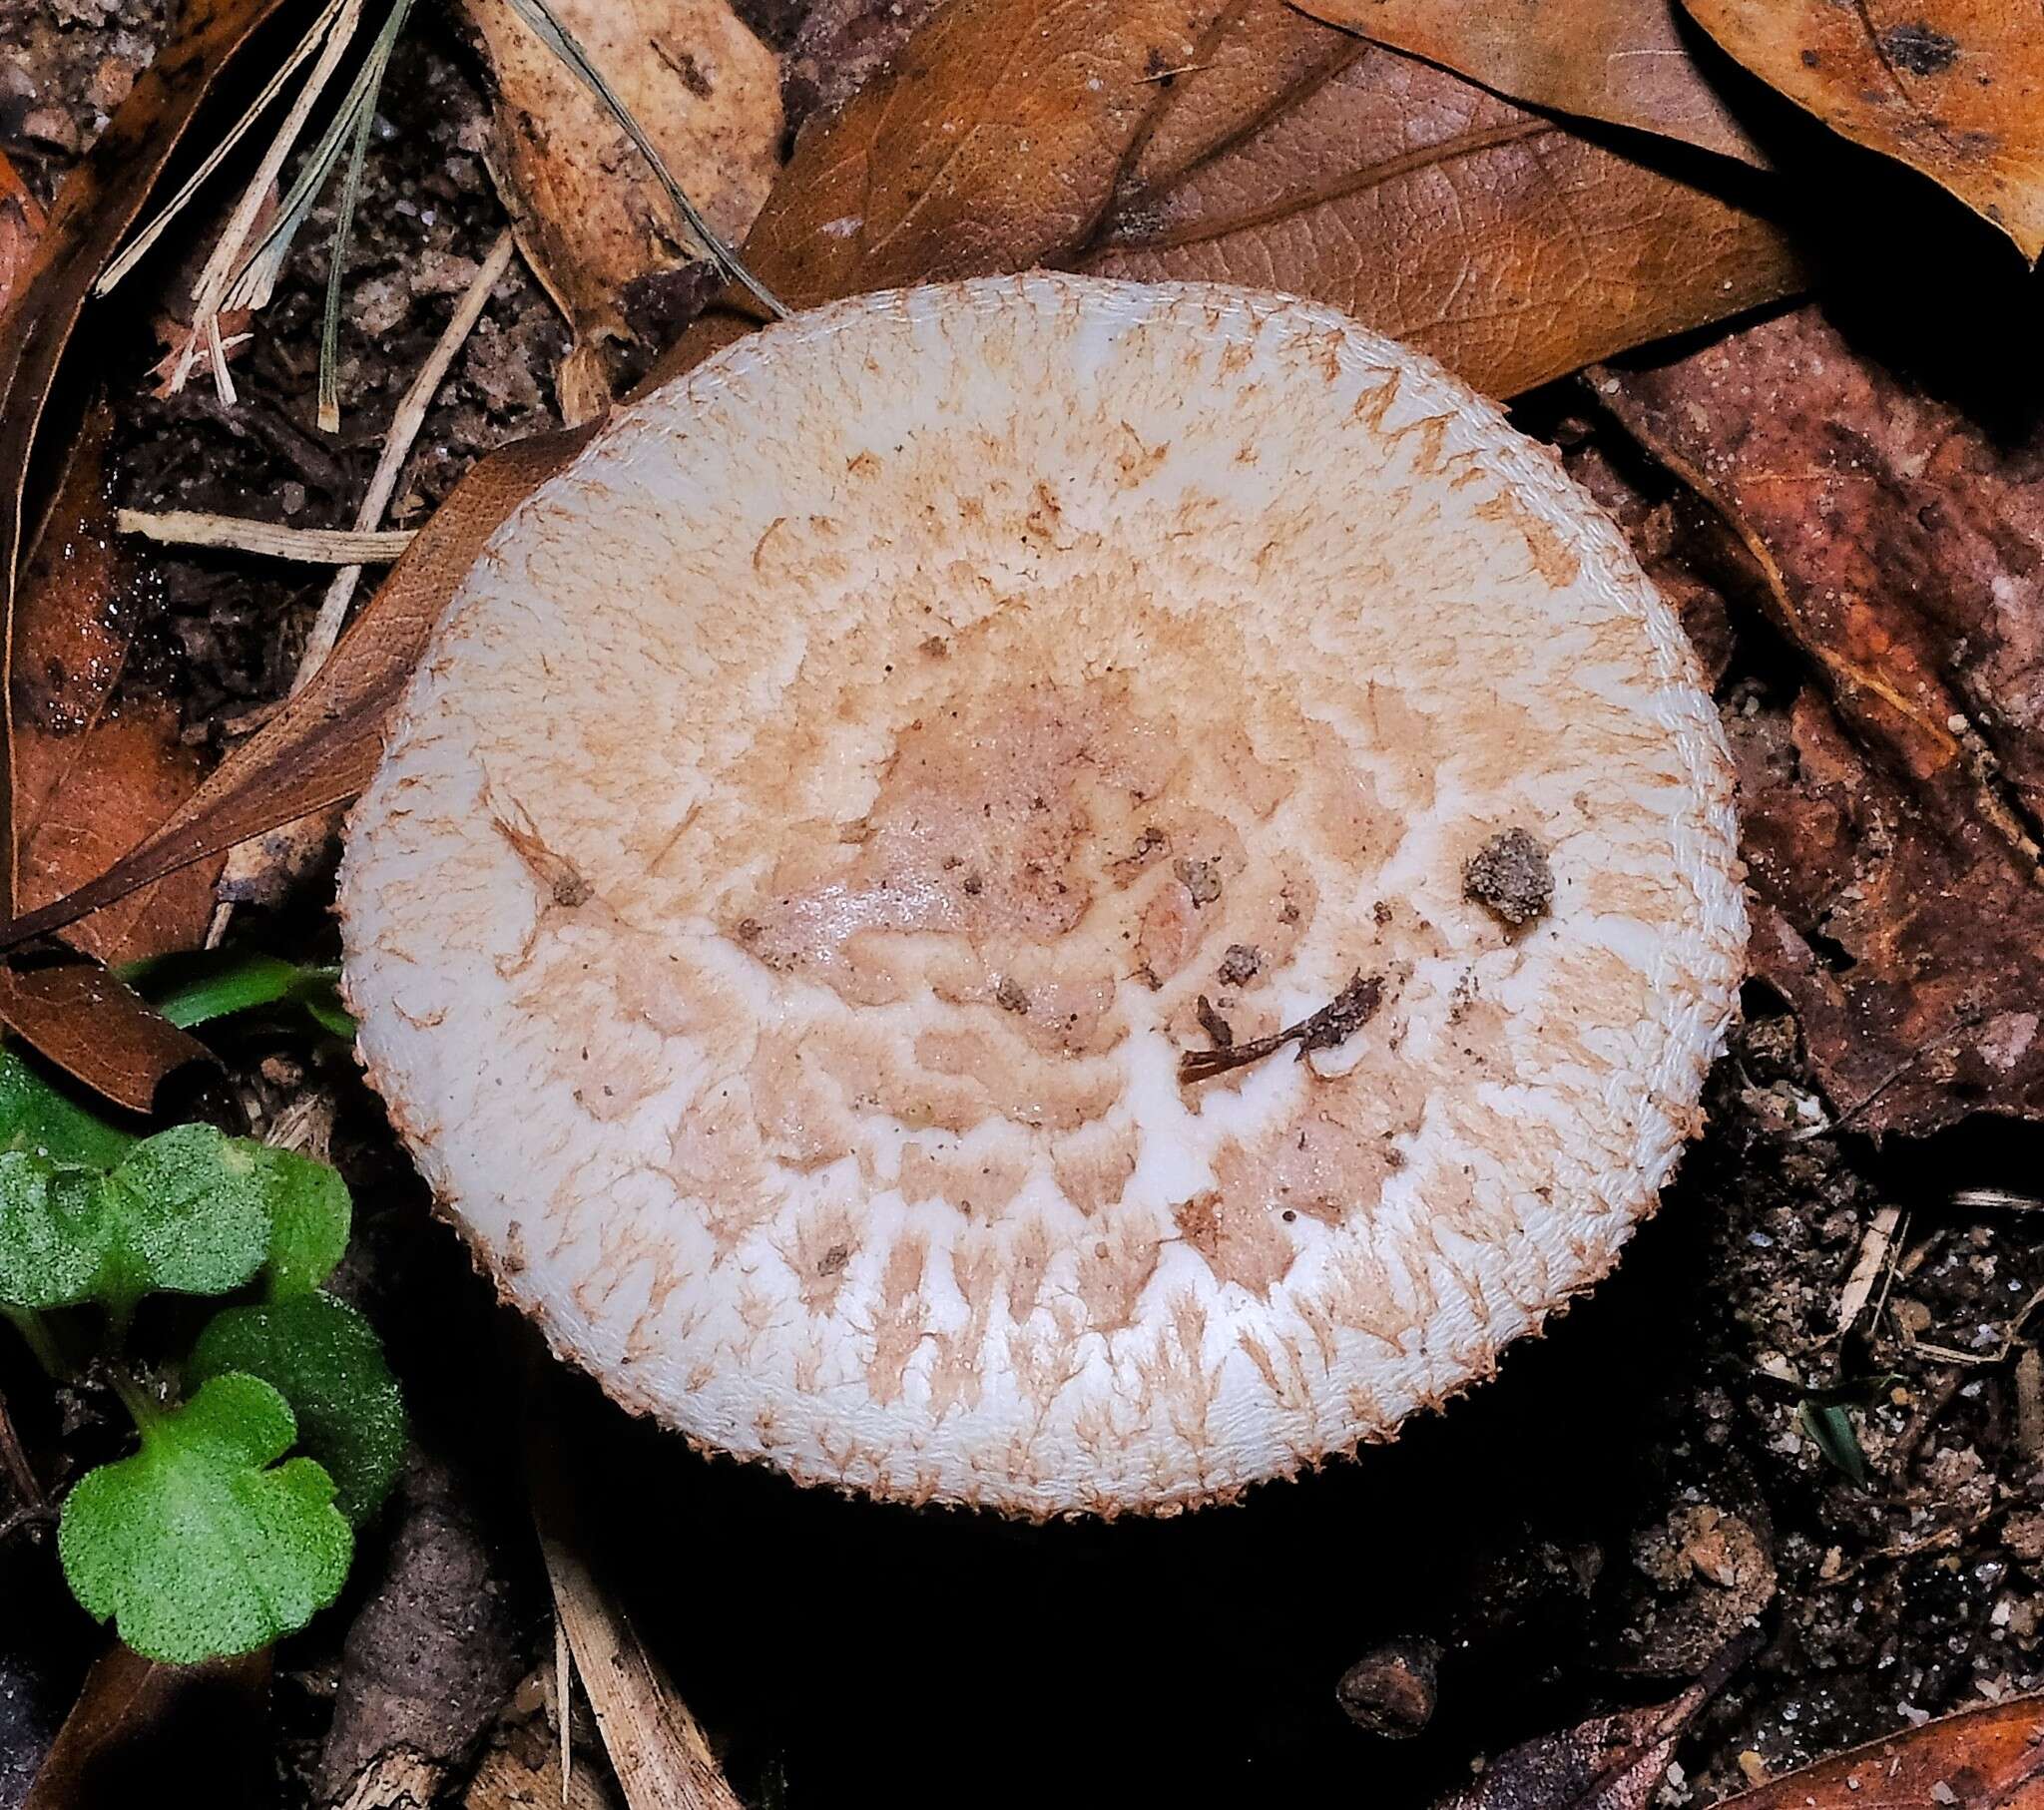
column 345, row 222
column 138, row 248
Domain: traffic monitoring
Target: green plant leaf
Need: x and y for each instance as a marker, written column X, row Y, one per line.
column 54, row 1231
column 1832, row 1430
column 201, row 1543
column 309, row 1215
column 196, row 986
column 36, row 1115
column 190, row 1214
column 324, row 1358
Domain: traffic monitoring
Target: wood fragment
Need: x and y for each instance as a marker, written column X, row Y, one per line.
column 272, row 539
column 657, row 1747
column 2030, row 1401
column 1877, row 1252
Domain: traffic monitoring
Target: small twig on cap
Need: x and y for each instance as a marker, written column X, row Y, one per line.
column 272, row 539
column 1347, row 1011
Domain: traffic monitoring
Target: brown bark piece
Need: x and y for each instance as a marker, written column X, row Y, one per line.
column 1891, row 817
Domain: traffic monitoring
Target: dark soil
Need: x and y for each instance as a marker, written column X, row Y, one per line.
column 1671, row 1460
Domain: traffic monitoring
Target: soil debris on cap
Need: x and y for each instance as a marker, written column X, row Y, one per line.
column 1510, row 875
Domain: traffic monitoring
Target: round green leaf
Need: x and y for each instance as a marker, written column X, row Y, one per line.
column 38, row 1117
column 309, row 1215
column 53, row 1232
column 201, row 1543
column 325, row 1361
column 193, row 1215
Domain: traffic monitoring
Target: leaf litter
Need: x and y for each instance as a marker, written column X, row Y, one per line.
column 1201, row 138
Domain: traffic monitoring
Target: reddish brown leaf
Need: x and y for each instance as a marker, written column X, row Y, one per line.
column 137, row 1724
column 1613, row 1762
column 993, row 142
column 1988, row 1758
column 92, row 1026
column 1952, row 88
column 91, row 777
column 1494, row 238
column 99, row 201
column 1894, row 810
column 1623, row 60
column 21, row 225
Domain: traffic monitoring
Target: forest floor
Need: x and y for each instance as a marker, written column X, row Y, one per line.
column 1584, row 1531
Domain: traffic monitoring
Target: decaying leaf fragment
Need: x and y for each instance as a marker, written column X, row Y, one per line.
column 1627, row 62
column 1893, row 811
column 1952, row 88
column 1611, row 1762
column 1986, row 1758
column 93, row 775
column 590, row 217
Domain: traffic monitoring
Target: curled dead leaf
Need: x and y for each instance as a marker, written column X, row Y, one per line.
column 591, row 219
column 1894, row 808
column 1627, row 62
column 1952, row 88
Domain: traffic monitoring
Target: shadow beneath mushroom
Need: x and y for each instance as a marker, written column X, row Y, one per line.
column 854, row 1649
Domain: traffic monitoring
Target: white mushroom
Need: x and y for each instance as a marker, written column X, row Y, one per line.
column 837, row 812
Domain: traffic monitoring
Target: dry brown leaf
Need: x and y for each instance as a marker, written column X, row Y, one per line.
column 21, row 225
column 1627, row 62
column 75, row 1014
column 92, row 776
column 138, row 1723
column 1613, row 1762
column 1987, row 1758
column 97, row 204
column 590, row 217
column 1507, row 246
column 1893, row 811
column 1277, row 152
column 1952, row 88
column 89, row 777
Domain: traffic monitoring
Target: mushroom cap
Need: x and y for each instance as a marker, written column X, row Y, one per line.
column 832, row 808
